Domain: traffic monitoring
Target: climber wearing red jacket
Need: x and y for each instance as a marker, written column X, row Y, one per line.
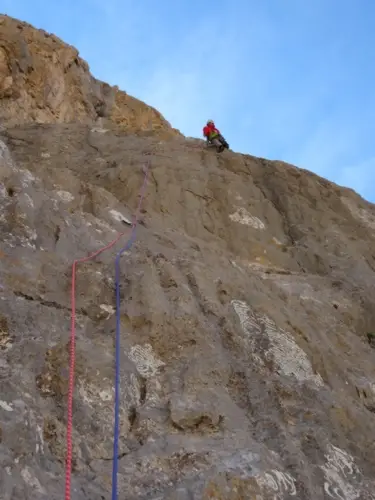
column 210, row 131
column 212, row 135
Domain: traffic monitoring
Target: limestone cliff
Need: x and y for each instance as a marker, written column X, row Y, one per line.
column 246, row 304
column 44, row 80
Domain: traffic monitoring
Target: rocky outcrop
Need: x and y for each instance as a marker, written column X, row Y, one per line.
column 247, row 365
column 44, row 80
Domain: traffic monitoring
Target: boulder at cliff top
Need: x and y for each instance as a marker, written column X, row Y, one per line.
column 246, row 370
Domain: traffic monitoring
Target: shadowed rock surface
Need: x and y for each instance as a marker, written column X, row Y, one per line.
column 247, row 371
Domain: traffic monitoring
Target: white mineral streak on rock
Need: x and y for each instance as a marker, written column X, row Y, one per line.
column 99, row 130
column 290, row 358
column 3, row 192
column 338, row 471
column 27, row 178
column 106, row 395
column 5, row 406
column 372, row 387
column 242, row 216
column 276, row 241
column 102, row 224
column 287, row 355
column 109, row 309
column 28, row 200
column 249, row 326
column 234, row 264
column 84, row 395
column 134, row 390
column 5, row 158
column 32, row 481
column 65, row 196
column 119, row 217
column 92, row 394
column 4, row 202
column 247, row 319
column 145, row 361
column 31, row 233
column 277, row 481
column 255, row 266
column 5, row 155
column 39, row 447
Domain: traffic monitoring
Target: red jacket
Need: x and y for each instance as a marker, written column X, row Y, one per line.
column 210, row 130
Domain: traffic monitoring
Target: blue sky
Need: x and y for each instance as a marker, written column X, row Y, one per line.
column 292, row 80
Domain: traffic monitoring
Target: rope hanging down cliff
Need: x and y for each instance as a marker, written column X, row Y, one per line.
column 69, row 443
column 117, row 349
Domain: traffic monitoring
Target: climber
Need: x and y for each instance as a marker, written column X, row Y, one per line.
column 213, row 136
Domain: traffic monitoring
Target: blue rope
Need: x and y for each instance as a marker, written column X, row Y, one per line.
column 116, row 431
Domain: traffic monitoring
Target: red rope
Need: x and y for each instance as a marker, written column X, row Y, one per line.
column 69, row 445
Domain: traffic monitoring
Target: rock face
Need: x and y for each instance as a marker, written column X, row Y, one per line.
column 247, row 370
column 43, row 80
